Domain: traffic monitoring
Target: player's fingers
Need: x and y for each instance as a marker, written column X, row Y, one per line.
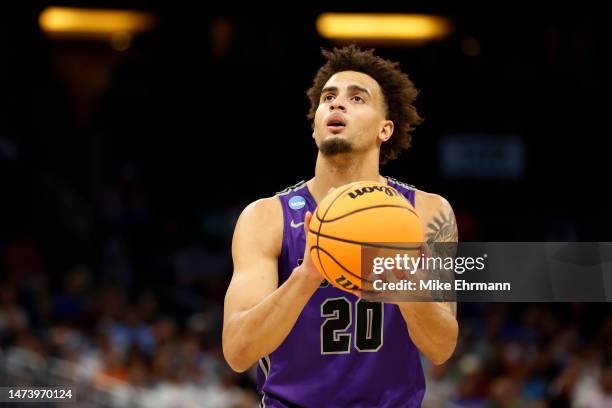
column 399, row 273
column 370, row 295
column 307, row 219
column 425, row 249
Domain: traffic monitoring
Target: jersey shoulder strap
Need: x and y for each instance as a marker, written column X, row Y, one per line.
column 292, row 188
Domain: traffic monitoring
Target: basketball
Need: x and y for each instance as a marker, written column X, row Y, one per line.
column 357, row 215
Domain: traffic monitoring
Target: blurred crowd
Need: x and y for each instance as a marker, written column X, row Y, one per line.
column 116, row 300
column 527, row 355
column 128, row 350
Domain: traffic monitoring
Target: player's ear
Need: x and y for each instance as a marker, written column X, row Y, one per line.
column 386, row 130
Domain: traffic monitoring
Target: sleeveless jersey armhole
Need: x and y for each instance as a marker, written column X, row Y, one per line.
column 283, row 251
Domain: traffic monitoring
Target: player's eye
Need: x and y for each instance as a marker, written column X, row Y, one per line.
column 328, row 97
column 357, row 98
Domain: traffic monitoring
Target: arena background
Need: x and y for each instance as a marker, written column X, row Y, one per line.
column 125, row 162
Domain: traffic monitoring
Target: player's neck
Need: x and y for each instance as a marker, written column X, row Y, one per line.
column 342, row 169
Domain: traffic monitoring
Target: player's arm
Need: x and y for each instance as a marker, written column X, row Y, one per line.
column 433, row 326
column 258, row 314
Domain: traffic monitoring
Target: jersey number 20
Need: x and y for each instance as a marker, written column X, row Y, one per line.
column 338, row 314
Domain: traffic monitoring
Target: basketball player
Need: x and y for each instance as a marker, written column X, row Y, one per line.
column 318, row 346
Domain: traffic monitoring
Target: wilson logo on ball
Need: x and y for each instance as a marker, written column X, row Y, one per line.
column 370, row 189
column 345, row 283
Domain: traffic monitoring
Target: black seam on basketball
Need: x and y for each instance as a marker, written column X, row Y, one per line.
column 321, row 224
column 330, row 204
column 368, row 208
column 366, row 244
column 342, row 266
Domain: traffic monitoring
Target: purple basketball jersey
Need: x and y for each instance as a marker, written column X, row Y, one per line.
column 342, row 351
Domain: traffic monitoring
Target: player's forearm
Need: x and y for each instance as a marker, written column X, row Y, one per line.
column 258, row 331
column 433, row 329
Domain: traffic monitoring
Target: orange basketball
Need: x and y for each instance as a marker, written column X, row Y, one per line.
column 356, row 215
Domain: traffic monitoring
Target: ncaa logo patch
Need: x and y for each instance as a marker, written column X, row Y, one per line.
column 297, row 202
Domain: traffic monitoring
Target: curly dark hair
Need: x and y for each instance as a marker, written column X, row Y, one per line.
column 398, row 91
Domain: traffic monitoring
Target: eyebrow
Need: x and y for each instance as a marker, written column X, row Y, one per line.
column 357, row 88
column 352, row 88
column 329, row 89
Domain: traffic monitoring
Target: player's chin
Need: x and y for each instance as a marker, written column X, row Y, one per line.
column 338, row 137
column 335, row 138
column 335, row 145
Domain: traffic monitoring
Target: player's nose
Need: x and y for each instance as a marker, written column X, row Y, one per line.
column 337, row 104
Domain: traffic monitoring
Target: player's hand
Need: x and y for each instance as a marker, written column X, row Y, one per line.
column 396, row 276
column 307, row 267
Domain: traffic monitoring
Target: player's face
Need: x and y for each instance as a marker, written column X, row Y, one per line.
column 351, row 116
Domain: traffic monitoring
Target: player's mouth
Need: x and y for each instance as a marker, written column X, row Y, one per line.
column 336, row 123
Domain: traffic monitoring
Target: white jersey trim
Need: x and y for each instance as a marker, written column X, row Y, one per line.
column 292, row 188
column 264, row 364
column 400, row 183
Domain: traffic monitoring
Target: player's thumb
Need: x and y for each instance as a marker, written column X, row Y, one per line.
column 307, row 219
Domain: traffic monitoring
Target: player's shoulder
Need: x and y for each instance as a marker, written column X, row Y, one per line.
column 425, row 199
column 263, row 210
column 269, row 209
column 259, row 227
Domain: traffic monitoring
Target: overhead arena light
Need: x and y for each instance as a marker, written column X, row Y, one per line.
column 93, row 24
column 409, row 28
